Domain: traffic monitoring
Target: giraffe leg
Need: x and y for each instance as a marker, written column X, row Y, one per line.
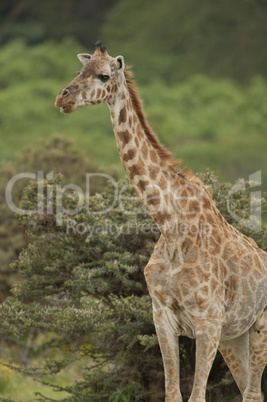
column 206, row 349
column 236, row 355
column 257, row 358
column 166, row 328
column 169, row 346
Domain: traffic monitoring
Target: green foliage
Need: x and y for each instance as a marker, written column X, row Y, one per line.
column 125, row 394
column 30, row 80
column 56, row 154
column 36, row 21
column 48, row 62
column 182, row 39
column 82, row 279
column 205, row 122
column 214, row 124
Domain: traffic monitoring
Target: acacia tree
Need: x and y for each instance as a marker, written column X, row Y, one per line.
column 82, row 280
column 56, row 154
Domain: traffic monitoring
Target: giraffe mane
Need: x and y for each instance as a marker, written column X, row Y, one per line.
column 163, row 153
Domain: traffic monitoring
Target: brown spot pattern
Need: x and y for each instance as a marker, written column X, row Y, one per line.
column 213, row 285
column 200, row 301
column 136, row 170
column 210, row 220
column 144, row 150
column 162, row 183
column 153, row 172
column 142, row 184
column 189, row 251
column 122, row 115
column 206, row 203
column 194, row 207
column 214, row 247
column 162, row 218
column 154, row 156
column 161, row 297
column 129, row 155
column 154, row 198
column 125, row 136
column 136, row 140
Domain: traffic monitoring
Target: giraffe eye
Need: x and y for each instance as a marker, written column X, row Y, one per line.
column 103, row 77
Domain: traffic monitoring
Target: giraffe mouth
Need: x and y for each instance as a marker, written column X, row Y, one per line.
column 67, row 109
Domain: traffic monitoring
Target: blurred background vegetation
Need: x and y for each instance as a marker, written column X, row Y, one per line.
column 201, row 70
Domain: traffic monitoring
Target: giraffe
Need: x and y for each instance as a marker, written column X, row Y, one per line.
column 207, row 280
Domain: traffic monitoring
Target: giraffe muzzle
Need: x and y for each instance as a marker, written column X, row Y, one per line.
column 64, row 102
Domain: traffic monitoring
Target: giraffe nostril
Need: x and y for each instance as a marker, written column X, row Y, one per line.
column 65, row 92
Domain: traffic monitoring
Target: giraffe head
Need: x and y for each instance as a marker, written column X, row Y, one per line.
column 97, row 81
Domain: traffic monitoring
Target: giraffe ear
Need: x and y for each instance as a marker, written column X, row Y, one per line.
column 84, row 57
column 120, row 63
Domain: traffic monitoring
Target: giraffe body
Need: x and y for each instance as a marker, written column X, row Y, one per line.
column 207, row 281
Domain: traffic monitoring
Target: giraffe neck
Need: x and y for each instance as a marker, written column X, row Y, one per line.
column 150, row 175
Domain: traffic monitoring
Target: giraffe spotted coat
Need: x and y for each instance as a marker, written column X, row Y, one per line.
column 207, row 281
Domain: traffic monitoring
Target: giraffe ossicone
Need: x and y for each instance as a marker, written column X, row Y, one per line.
column 210, row 285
